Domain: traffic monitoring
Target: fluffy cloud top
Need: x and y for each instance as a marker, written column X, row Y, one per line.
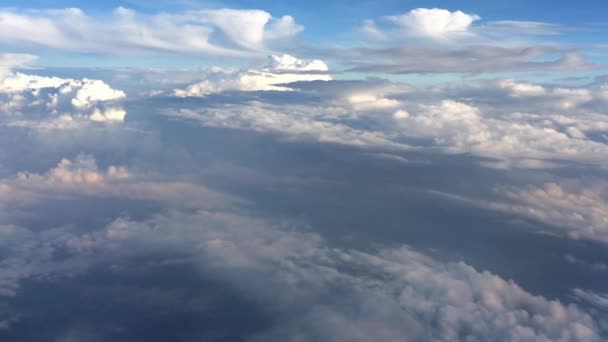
column 220, row 32
column 32, row 96
column 435, row 23
column 280, row 70
column 441, row 41
column 518, row 124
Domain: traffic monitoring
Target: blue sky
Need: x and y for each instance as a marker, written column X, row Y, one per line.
column 331, row 23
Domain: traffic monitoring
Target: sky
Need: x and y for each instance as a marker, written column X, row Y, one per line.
column 316, row 171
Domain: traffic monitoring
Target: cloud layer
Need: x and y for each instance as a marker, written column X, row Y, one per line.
column 217, row 32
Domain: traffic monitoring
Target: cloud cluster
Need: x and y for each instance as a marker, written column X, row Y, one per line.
column 9, row 61
column 424, row 41
column 280, row 70
column 518, row 124
column 434, row 22
column 318, row 291
column 81, row 177
column 24, row 96
column 298, row 123
column 219, row 32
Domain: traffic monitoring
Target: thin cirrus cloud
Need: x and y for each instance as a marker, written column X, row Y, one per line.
column 217, row 32
column 472, row 59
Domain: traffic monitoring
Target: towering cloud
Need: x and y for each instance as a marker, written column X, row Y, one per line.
column 280, row 70
column 24, row 96
column 435, row 23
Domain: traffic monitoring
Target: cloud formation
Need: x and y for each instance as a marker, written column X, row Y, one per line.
column 579, row 211
column 435, row 23
column 81, row 177
column 280, row 70
column 388, row 293
column 517, row 124
column 218, row 32
column 24, row 96
column 435, row 41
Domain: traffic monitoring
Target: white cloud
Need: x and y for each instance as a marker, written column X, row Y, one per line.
column 32, row 97
column 461, row 128
column 517, row 124
column 219, row 32
column 370, row 101
column 281, row 69
column 9, row 61
column 294, row 123
column 282, row 28
column 92, row 91
column 435, row 23
column 434, row 40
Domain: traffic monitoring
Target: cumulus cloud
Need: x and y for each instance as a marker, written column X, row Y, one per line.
column 220, row 32
column 59, row 100
column 72, row 179
column 459, row 127
column 516, row 124
column 437, row 40
column 435, row 23
column 280, row 70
